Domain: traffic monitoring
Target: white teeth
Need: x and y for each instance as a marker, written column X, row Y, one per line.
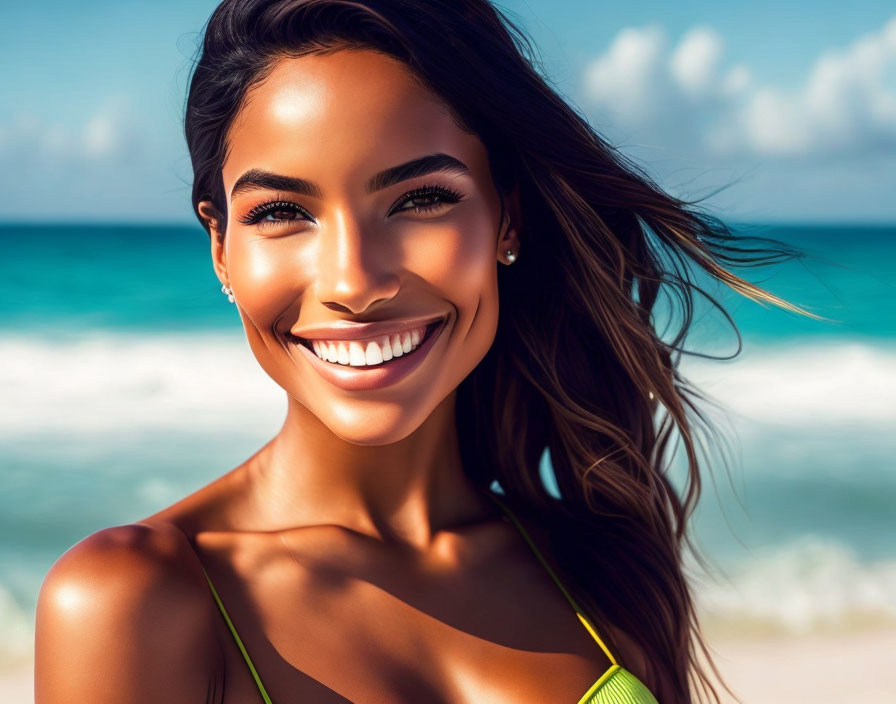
column 342, row 353
column 387, row 348
column 356, row 357
column 373, row 354
column 397, row 349
column 368, row 353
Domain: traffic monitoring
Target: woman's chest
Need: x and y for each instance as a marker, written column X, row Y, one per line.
column 386, row 654
column 389, row 631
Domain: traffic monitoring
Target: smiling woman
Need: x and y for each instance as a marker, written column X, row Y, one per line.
column 448, row 272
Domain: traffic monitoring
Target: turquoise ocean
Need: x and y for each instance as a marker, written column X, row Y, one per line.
column 126, row 383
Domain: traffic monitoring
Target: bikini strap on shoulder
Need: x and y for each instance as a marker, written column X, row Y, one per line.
column 579, row 612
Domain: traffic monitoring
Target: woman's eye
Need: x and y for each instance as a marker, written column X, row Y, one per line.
column 279, row 214
column 275, row 213
column 282, row 212
column 426, row 199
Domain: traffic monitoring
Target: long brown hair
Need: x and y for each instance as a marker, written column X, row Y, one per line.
column 577, row 366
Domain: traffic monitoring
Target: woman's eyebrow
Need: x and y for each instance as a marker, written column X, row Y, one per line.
column 257, row 179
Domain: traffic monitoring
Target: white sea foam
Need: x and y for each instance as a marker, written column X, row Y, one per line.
column 104, row 383
column 107, row 383
column 812, row 383
column 807, row 584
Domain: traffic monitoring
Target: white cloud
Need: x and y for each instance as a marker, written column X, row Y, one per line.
column 694, row 62
column 109, row 164
column 736, row 81
column 627, row 79
column 110, row 132
column 105, row 132
column 686, row 98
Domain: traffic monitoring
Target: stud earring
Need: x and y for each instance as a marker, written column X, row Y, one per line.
column 228, row 291
column 510, row 255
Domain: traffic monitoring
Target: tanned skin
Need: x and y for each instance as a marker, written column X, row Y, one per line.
column 356, row 560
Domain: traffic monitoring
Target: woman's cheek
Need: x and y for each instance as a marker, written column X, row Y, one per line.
column 270, row 276
column 456, row 256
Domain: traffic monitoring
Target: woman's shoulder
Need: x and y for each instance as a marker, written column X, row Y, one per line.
column 143, row 555
column 626, row 647
column 124, row 615
column 632, row 656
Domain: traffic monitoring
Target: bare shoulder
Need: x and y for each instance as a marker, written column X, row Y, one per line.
column 124, row 615
column 632, row 656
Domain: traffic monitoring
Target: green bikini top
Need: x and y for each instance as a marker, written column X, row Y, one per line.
column 615, row 686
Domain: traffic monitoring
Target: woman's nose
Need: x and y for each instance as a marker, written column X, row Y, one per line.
column 356, row 267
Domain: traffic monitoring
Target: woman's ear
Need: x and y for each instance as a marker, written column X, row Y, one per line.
column 511, row 225
column 216, row 230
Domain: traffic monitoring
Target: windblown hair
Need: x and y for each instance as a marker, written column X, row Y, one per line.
column 577, row 366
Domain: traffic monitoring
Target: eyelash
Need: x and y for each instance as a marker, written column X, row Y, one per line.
column 255, row 215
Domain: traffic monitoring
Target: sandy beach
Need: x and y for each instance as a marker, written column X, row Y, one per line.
column 17, row 687
column 822, row 669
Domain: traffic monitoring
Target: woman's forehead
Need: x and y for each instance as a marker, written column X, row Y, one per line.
column 335, row 109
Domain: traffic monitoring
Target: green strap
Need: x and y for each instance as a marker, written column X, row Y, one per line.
column 581, row 614
column 239, row 642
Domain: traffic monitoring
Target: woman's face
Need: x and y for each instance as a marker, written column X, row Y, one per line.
column 322, row 233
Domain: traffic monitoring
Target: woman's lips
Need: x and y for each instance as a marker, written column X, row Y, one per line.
column 362, row 378
column 347, row 330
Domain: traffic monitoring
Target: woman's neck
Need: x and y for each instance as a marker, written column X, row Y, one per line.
column 404, row 492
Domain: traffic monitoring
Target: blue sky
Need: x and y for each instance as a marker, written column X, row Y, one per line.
column 792, row 106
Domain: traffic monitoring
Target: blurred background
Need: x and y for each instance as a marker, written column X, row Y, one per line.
column 127, row 382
